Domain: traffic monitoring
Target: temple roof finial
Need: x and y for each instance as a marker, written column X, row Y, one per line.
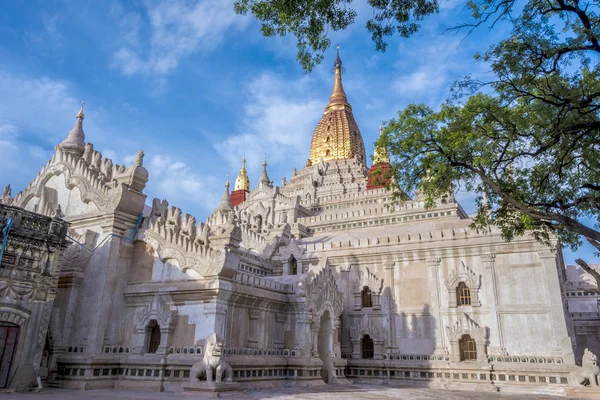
column 75, row 141
column 338, row 61
column 264, row 180
column 338, row 99
column 242, row 182
column 80, row 114
column 225, row 204
column 381, row 154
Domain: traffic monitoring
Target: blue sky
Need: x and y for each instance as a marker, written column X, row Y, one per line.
column 197, row 87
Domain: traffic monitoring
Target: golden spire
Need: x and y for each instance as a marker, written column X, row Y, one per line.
column 338, row 99
column 337, row 136
column 242, row 182
column 381, row 154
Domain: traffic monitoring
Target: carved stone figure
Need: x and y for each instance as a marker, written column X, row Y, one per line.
column 88, row 152
column 107, row 169
column 205, row 235
column 190, row 226
column 58, row 214
column 6, row 196
column 96, row 160
column 214, row 365
column 174, row 218
column 588, row 374
column 139, row 159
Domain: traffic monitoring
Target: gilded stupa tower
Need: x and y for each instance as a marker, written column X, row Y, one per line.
column 241, row 187
column 337, row 136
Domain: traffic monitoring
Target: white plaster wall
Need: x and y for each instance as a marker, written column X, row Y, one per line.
column 527, row 333
column 69, row 200
column 196, row 313
column 168, row 270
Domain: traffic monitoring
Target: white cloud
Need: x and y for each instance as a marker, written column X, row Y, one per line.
column 279, row 120
column 37, row 104
column 420, row 81
column 436, row 65
column 38, row 113
column 177, row 29
column 19, row 161
column 181, row 185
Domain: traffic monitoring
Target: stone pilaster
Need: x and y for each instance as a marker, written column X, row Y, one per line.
column 314, row 331
column 378, row 349
column 253, row 316
column 433, row 275
column 355, row 349
column 278, row 343
column 388, row 266
column 489, row 283
column 302, row 337
column 561, row 343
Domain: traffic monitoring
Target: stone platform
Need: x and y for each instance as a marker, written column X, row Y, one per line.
column 330, row 392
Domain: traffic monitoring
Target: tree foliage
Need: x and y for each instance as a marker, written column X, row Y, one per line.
column 529, row 139
column 311, row 21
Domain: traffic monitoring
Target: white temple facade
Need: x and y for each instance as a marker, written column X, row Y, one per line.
column 321, row 279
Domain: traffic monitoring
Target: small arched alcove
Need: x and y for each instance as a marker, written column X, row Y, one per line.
column 367, row 347
column 293, row 266
column 153, row 333
column 366, row 297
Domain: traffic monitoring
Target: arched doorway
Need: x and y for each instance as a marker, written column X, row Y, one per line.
column 325, row 347
column 367, row 348
column 154, row 339
column 293, row 266
column 9, row 337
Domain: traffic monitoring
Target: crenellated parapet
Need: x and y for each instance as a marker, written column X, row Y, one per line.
column 208, row 250
column 110, row 187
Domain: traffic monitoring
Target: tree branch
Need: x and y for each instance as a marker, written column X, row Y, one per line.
column 595, row 274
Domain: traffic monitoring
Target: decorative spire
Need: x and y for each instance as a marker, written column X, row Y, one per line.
column 338, row 98
column 381, row 154
column 337, row 136
column 338, row 61
column 264, row 180
column 242, row 182
column 80, row 114
column 75, row 142
column 226, row 200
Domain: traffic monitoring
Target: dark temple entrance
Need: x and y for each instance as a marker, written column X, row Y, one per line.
column 9, row 336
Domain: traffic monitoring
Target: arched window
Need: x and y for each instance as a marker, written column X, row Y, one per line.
column 367, row 347
column 366, row 298
column 468, row 348
column 328, row 139
column 293, row 266
column 154, row 341
column 327, row 152
column 463, row 295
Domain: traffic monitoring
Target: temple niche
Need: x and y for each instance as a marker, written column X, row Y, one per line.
column 321, row 279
